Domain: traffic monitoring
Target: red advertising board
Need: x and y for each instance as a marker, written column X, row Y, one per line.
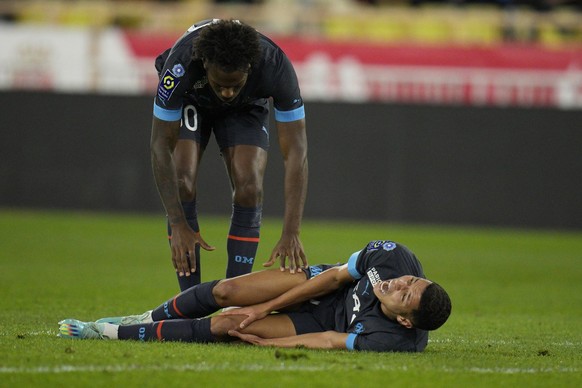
column 499, row 75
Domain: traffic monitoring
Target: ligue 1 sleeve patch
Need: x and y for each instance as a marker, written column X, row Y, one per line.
column 167, row 85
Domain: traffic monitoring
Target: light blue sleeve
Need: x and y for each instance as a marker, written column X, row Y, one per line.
column 290, row 115
column 350, row 341
column 166, row 114
column 352, row 265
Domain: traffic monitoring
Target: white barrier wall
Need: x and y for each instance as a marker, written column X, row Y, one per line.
column 115, row 61
column 45, row 58
column 70, row 60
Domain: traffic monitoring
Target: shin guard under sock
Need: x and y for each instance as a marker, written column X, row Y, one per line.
column 191, row 214
column 243, row 240
column 185, row 330
column 195, row 302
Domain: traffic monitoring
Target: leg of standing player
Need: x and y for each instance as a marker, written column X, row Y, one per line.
column 243, row 139
column 246, row 168
column 187, row 155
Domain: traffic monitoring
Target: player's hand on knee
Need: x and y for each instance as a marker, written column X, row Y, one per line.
column 253, row 313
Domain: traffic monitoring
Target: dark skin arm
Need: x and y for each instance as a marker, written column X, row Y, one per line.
column 163, row 140
column 293, row 144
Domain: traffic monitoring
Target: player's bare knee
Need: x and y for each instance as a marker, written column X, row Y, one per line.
column 249, row 195
column 224, row 291
column 221, row 324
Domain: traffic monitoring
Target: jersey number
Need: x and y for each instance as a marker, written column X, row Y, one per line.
column 190, row 120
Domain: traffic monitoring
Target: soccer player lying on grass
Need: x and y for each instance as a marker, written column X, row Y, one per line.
column 379, row 300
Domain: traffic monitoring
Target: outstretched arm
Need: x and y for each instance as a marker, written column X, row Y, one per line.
column 324, row 340
column 293, row 144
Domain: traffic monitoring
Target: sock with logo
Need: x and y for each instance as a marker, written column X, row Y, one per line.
column 195, row 302
column 243, row 240
column 191, row 214
column 185, row 330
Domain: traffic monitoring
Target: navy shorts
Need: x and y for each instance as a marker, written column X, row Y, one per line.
column 317, row 315
column 246, row 126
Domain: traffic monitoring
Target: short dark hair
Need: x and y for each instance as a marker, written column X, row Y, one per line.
column 434, row 308
column 228, row 44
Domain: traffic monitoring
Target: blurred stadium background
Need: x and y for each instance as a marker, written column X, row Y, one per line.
column 464, row 112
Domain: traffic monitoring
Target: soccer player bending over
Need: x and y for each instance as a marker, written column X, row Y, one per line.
column 379, row 301
column 218, row 79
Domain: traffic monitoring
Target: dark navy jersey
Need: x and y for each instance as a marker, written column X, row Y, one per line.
column 183, row 81
column 361, row 316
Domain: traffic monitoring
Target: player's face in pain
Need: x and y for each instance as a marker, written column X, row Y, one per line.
column 226, row 85
column 400, row 296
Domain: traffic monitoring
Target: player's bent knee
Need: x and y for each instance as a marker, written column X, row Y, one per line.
column 224, row 292
column 248, row 195
column 221, row 324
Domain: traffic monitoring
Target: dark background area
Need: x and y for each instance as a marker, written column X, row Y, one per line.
column 397, row 163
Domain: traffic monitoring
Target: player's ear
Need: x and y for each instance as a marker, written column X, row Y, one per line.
column 407, row 323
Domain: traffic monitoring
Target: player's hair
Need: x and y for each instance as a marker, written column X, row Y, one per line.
column 434, row 308
column 228, row 44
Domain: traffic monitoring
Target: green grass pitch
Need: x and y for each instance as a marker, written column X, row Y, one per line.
column 517, row 306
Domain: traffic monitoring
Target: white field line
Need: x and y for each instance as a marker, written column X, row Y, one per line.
column 434, row 341
column 458, row 340
column 203, row 367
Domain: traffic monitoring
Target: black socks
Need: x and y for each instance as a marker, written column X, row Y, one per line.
column 243, row 240
column 191, row 214
column 185, row 330
column 195, row 302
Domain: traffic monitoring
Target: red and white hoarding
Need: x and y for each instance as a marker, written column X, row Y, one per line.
column 116, row 61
